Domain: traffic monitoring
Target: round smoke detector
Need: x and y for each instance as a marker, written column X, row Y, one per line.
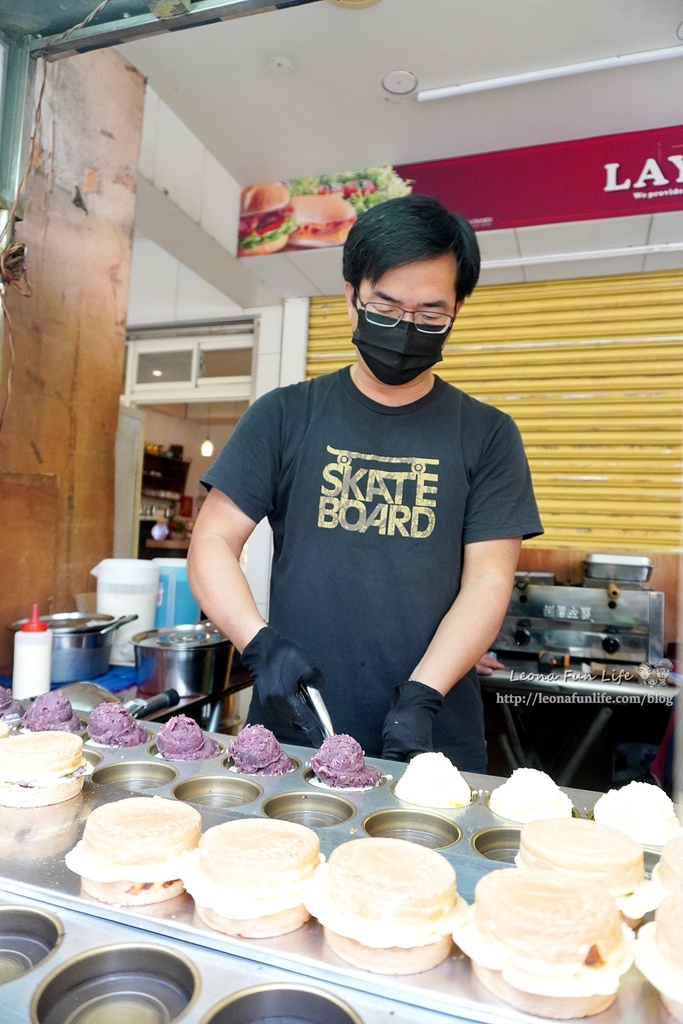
column 399, row 83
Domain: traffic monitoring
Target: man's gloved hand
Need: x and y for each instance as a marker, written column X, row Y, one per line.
column 278, row 666
column 408, row 726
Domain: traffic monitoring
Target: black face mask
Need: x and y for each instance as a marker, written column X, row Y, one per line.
column 396, row 355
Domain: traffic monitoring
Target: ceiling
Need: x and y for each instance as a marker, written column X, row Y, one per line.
column 329, row 111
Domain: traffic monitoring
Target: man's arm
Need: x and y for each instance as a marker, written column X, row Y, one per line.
column 277, row 665
column 214, row 570
column 474, row 619
column 464, row 634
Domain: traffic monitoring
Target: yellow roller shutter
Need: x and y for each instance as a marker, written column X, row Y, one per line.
column 592, row 372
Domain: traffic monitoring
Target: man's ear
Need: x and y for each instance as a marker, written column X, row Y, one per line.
column 458, row 306
column 350, row 295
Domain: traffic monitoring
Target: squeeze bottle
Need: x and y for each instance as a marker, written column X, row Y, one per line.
column 32, row 658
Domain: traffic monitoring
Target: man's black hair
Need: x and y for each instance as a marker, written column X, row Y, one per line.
column 407, row 230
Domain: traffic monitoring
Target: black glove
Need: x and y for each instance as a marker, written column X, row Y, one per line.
column 407, row 729
column 278, row 666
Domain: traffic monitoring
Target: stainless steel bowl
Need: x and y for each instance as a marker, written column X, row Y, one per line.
column 190, row 659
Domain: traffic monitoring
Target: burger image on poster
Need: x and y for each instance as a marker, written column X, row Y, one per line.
column 266, row 220
column 321, row 220
column 127, row 586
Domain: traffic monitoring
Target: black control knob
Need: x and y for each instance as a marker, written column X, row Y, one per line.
column 611, row 644
column 522, row 583
column 521, row 636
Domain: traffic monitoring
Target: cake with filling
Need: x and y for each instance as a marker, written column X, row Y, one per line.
column 248, row 877
column 659, row 953
column 546, row 944
column 579, row 848
column 132, row 850
column 386, row 905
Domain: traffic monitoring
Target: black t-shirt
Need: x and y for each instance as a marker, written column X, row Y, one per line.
column 370, row 507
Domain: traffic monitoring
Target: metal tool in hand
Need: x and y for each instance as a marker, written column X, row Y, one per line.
column 313, row 698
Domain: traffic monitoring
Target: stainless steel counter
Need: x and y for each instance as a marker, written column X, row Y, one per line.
column 32, row 868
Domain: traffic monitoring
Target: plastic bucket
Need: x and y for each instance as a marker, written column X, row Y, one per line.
column 127, row 586
column 175, row 603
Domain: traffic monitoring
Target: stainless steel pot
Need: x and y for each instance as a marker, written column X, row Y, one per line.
column 81, row 643
column 190, row 659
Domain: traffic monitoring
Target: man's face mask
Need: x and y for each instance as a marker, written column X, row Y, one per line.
column 396, row 355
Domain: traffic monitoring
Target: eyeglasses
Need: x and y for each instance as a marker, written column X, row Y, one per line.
column 426, row 321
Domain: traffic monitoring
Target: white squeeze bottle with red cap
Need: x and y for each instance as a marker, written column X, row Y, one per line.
column 32, row 658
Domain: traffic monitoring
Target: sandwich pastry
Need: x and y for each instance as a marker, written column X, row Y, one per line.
column 579, row 848
column 659, row 953
column 132, row 850
column 37, row 769
column 248, row 877
column 386, row 905
column 668, row 871
column 545, row 944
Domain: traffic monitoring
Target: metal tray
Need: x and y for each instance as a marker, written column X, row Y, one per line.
column 32, row 866
column 632, row 568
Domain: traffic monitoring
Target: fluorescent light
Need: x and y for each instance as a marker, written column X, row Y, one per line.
column 543, row 74
column 589, row 254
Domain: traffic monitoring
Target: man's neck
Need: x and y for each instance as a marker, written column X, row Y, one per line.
column 391, row 394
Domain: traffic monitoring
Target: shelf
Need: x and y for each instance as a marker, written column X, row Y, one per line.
column 164, row 477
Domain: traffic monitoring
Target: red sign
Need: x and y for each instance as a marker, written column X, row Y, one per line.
column 585, row 179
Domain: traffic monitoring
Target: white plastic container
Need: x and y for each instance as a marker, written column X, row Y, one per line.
column 127, row 586
column 32, row 658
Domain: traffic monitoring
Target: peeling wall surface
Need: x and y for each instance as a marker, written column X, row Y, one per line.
column 69, row 334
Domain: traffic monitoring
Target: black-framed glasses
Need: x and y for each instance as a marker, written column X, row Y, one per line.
column 427, row 321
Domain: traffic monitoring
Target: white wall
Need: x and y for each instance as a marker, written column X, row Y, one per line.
column 168, row 430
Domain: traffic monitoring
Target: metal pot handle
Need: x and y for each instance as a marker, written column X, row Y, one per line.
column 116, row 623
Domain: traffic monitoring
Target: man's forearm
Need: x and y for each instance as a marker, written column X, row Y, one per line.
column 474, row 619
column 222, row 590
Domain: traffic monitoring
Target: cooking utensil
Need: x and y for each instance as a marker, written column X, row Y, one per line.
column 316, row 704
column 140, row 708
column 81, row 643
column 85, row 697
column 188, row 658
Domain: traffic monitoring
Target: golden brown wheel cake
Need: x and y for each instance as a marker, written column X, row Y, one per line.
column 386, row 905
column 132, row 850
column 248, row 877
column 546, row 944
column 42, row 768
column 659, row 953
column 668, row 872
column 581, row 848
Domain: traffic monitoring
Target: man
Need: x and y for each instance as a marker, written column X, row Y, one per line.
column 398, row 505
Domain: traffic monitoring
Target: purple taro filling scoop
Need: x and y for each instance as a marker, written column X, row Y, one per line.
column 112, row 725
column 255, row 751
column 340, row 762
column 10, row 708
column 181, row 739
column 52, row 712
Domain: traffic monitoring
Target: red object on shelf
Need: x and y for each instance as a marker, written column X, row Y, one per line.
column 185, row 506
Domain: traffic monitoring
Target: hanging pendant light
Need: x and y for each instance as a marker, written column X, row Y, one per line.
column 207, row 445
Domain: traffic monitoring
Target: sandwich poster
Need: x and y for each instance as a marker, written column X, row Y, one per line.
column 311, row 213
